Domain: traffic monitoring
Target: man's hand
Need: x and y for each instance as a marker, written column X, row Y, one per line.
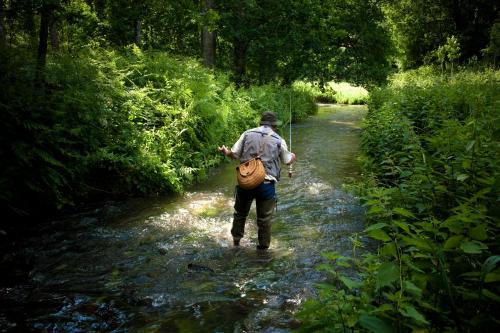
column 227, row 152
column 224, row 150
column 292, row 159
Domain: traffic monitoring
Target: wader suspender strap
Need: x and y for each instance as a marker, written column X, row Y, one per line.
column 263, row 142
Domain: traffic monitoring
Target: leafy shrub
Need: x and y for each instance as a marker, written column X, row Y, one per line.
column 106, row 122
column 344, row 93
column 432, row 159
column 334, row 92
column 281, row 100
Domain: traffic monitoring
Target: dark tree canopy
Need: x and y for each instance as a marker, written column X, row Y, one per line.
column 420, row 27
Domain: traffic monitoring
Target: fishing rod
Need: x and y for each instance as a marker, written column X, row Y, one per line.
column 290, row 170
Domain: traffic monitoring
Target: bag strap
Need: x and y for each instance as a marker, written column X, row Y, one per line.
column 264, row 141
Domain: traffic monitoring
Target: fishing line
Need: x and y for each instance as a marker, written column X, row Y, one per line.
column 290, row 171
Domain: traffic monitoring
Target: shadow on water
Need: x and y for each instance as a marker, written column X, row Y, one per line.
column 167, row 265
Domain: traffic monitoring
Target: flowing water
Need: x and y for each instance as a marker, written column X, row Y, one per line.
column 168, row 265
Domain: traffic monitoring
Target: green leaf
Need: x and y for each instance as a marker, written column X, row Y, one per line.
column 478, row 232
column 374, row 324
column 389, row 249
column 413, row 289
column 461, row 177
column 403, row 212
column 325, row 267
column 470, row 145
column 453, row 242
column 375, row 210
column 492, row 277
column 473, row 247
column 413, row 266
column 379, row 235
column 343, row 263
column 376, row 226
column 420, row 244
column 350, row 284
column 331, row 255
column 382, row 308
column 387, row 273
column 372, row 202
column 490, row 264
column 409, row 311
column 402, row 225
column 490, row 295
column 326, row 287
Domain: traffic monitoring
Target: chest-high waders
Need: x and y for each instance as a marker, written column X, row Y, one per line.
column 264, row 194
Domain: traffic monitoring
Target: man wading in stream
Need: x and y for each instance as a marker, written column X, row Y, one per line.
column 264, row 142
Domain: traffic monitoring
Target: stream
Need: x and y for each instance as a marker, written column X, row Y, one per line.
column 167, row 264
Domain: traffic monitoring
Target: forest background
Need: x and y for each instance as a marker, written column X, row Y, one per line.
column 104, row 98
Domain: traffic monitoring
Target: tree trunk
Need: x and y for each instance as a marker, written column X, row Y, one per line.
column 54, row 34
column 458, row 15
column 138, row 32
column 240, row 63
column 29, row 22
column 2, row 25
column 99, row 6
column 208, row 40
column 43, row 38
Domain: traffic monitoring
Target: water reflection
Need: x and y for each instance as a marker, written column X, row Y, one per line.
column 161, row 265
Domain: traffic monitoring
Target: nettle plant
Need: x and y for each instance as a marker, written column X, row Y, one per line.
column 431, row 197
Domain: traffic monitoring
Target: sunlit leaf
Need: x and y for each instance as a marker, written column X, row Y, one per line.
column 403, row 212
column 403, row 225
column 375, row 210
column 325, row 267
column 331, row 255
column 473, row 247
column 343, row 263
column 379, row 235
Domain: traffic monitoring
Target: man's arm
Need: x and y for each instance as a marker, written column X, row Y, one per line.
column 235, row 152
column 286, row 156
column 228, row 152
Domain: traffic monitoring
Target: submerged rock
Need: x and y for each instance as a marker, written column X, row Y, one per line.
column 199, row 268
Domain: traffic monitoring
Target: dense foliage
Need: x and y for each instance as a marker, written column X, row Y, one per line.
column 259, row 41
column 337, row 92
column 432, row 166
column 419, row 28
column 317, row 40
column 114, row 122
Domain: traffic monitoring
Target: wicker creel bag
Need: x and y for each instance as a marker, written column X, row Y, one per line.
column 251, row 173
